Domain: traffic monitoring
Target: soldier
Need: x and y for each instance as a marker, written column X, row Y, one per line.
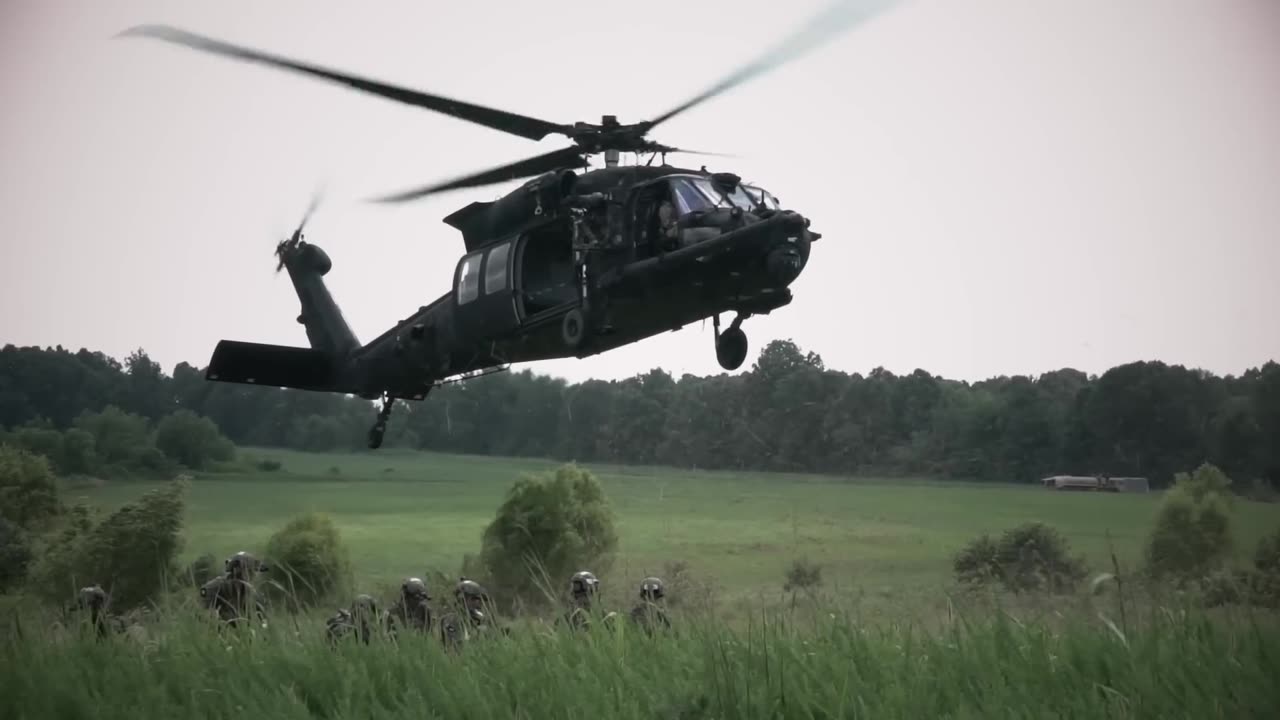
column 362, row 619
column 469, row 618
column 93, row 600
column 649, row 613
column 583, row 587
column 232, row 595
column 412, row 608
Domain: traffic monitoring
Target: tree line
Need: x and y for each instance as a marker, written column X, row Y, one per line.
column 788, row 412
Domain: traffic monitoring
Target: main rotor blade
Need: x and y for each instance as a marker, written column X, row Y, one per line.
column 839, row 17
column 569, row 157
column 508, row 122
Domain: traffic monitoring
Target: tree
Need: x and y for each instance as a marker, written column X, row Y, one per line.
column 556, row 523
column 131, row 553
column 28, row 489
column 15, row 555
column 192, row 440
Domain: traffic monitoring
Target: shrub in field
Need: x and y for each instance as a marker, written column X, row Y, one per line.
column 1034, row 556
column 28, row 489
column 15, row 555
column 268, row 465
column 548, row 527
column 1267, row 556
column 192, row 440
column 130, row 553
column 1259, row 586
column 201, row 570
column 1192, row 533
column 308, row 560
column 976, row 562
column 1028, row 558
column 802, row 575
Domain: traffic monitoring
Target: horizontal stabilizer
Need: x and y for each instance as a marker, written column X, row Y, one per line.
column 272, row 366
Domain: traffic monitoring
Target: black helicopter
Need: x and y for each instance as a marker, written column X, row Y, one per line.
column 566, row 265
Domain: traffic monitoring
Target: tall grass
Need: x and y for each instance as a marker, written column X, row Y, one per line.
column 1173, row 664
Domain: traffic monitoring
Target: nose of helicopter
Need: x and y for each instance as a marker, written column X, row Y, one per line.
column 786, row 259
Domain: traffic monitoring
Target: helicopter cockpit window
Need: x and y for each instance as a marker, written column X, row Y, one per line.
column 738, row 197
column 688, row 197
column 469, row 279
column 495, row 269
column 762, row 196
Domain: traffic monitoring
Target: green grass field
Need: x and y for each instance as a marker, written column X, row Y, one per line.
column 882, row 640
column 888, row 543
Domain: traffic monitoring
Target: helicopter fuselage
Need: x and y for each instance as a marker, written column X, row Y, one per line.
column 564, row 266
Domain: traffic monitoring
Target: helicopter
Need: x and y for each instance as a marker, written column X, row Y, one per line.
column 569, row 264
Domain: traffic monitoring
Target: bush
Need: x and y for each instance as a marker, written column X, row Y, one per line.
column 555, row 524
column 201, row 570
column 268, row 465
column 803, row 575
column 130, row 553
column 1028, row 558
column 977, row 563
column 1242, row 587
column 15, row 556
column 28, row 489
column 1034, row 556
column 1267, row 557
column 308, row 560
column 192, row 440
column 1192, row 534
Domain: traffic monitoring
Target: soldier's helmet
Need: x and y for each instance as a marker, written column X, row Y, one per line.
column 583, row 584
column 92, row 597
column 472, row 596
column 414, row 589
column 243, row 566
column 652, row 589
column 364, row 608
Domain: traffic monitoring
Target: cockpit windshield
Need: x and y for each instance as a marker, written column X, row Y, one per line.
column 761, row 195
column 698, row 193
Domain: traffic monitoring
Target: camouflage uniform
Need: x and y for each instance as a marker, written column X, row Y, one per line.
column 649, row 613
column 412, row 609
column 583, row 587
column 362, row 620
column 232, row 594
column 93, row 600
column 468, row 619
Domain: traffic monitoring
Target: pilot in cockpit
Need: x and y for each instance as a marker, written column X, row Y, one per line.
column 668, row 228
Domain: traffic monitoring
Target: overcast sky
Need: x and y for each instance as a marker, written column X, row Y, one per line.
column 1003, row 186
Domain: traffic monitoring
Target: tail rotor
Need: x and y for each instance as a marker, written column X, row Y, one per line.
column 291, row 243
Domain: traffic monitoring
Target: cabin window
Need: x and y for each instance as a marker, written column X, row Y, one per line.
column 495, row 269
column 469, row 279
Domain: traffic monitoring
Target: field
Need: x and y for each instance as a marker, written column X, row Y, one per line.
column 887, row 544
column 882, row 641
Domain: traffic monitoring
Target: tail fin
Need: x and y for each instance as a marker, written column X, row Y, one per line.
column 307, row 264
column 275, row 366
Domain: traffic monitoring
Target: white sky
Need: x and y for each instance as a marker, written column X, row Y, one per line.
column 1004, row 186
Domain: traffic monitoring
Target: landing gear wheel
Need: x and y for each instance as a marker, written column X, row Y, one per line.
column 380, row 425
column 572, row 328
column 731, row 348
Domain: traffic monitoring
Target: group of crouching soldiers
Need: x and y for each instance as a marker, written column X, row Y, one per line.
column 234, row 600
